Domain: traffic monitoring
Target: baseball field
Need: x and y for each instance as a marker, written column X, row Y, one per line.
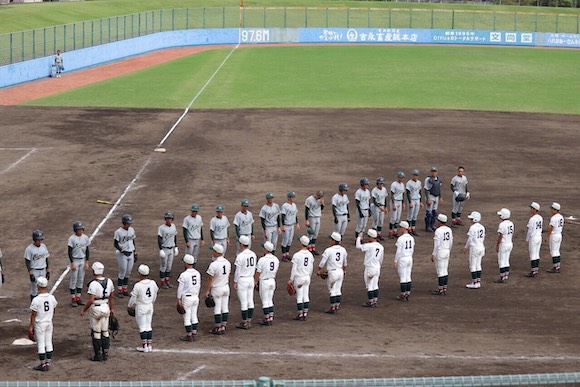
column 303, row 119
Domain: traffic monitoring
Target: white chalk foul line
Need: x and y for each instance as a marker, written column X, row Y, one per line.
column 14, row 164
column 332, row 355
column 191, row 373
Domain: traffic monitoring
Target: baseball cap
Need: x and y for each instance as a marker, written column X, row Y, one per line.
column 400, row 174
column 442, row 218
column 434, row 168
column 245, row 202
column 269, row 195
column 476, row 216
column 304, row 240
column 364, row 180
column 415, row 172
column 336, row 236
column 504, row 213
column 244, row 240
column 143, row 269
column 291, row 194
column 372, row 233
column 169, row 214
column 220, row 208
column 217, row 248
column 555, row 206
column 343, row 187
column 268, row 246
column 535, row 206
column 404, row 224
column 189, row 259
column 195, row 207
column 380, row 180
column 98, row 268
column 42, row 282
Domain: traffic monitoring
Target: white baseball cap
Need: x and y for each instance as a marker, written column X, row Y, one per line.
column 143, row 269
column 476, row 216
column 555, row 206
column 189, row 259
column 442, row 218
column 244, row 240
column 268, row 246
column 372, row 233
column 42, row 282
column 217, row 248
column 504, row 213
column 336, row 236
column 535, row 206
column 98, row 268
column 404, row 224
column 304, row 240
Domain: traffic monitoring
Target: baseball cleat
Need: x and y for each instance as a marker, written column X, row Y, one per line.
column 299, row 318
column 500, row 281
column 105, row 356
column 437, row 292
column 216, row 331
column 96, row 358
column 369, row 305
column 242, row 325
column 120, row 295
column 164, row 286
column 472, row 286
column 80, row 303
column 330, row 311
column 401, row 298
column 553, row 270
column 41, row 367
column 186, row 338
column 169, row 285
column 126, row 293
column 264, row 322
column 74, row 304
column 531, row 274
column 141, row 349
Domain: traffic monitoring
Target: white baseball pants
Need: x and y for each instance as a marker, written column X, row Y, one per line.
column 267, row 288
column 334, row 282
column 302, row 285
column 125, row 264
column 442, row 263
column 166, row 263
column 503, row 255
column 190, row 303
column 378, row 216
column 144, row 316
column 404, row 268
column 534, row 245
column 272, row 234
column 340, row 227
column 371, row 277
column 43, row 333
column 555, row 242
column 100, row 320
column 475, row 256
column 288, row 235
column 246, row 292
column 361, row 222
column 221, row 296
column 413, row 212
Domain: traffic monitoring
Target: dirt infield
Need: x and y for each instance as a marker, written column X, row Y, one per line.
column 55, row 163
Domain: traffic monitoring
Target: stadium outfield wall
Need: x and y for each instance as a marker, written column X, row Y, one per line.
column 91, row 56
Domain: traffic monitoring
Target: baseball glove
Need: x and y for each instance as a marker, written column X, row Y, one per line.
column 323, row 275
column 31, row 335
column 180, row 308
column 209, row 302
column 131, row 311
column 113, row 325
column 291, row 289
column 460, row 197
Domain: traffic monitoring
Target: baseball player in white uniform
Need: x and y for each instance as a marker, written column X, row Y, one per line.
column 413, row 188
column 460, row 193
column 313, row 212
column 270, row 218
column 504, row 244
column 362, row 198
column 340, row 209
column 403, row 262
column 374, row 255
column 218, row 285
column 534, row 239
column 379, row 206
column 397, row 204
column 335, row 260
column 42, row 311
column 219, row 228
column 244, row 281
column 266, row 271
column 433, row 198
column 300, row 276
column 475, row 245
column 442, row 243
column 193, row 231
column 289, row 220
column 167, row 243
column 78, row 255
column 143, row 297
column 124, row 241
column 244, row 224
column 188, row 297
column 36, row 259
column 554, row 237
column 100, row 301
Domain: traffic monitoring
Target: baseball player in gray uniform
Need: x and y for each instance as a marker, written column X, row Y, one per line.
column 167, row 243
column 143, row 297
column 100, row 301
column 300, row 276
column 266, row 271
column 193, row 231
column 335, row 260
column 124, row 241
column 432, row 198
column 362, row 197
column 289, row 215
column 442, row 243
column 475, row 245
column 460, row 193
column 534, row 239
column 403, row 262
column 413, row 188
column 397, row 204
column 312, row 212
column 270, row 218
column 219, row 228
column 78, row 255
column 42, row 311
column 374, row 255
column 504, row 245
column 218, row 285
column 244, row 224
column 244, row 281
column 378, row 206
column 340, row 209
column 554, row 236
column 188, row 297
column 36, row 259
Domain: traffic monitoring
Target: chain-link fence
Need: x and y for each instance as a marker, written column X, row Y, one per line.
column 41, row 42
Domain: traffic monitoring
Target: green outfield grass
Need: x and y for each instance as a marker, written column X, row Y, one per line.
column 473, row 78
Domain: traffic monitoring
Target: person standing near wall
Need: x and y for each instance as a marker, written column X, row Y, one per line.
column 58, row 63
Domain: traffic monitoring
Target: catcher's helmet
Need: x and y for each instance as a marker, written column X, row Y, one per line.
column 460, row 197
column 37, row 235
column 169, row 214
column 127, row 219
column 364, row 180
column 343, row 187
column 380, row 180
column 78, row 226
